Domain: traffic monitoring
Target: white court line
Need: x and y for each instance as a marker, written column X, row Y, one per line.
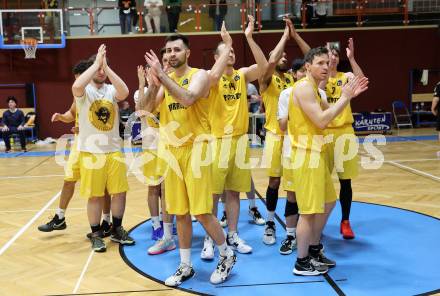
column 78, row 283
column 25, row 177
column 25, row 227
column 418, row 172
column 23, row 211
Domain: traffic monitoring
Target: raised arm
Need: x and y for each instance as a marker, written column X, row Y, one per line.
column 79, row 86
column 254, row 72
column 357, row 71
column 295, row 36
column 221, row 62
column 66, row 117
column 198, row 87
column 321, row 118
column 119, row 85
column 274, row 58
column 149, row 100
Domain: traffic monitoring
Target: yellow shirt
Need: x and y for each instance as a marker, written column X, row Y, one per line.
column 333, row 90
column 270, row 100
column 303, row 133
column 192, row 120
column 229, row 106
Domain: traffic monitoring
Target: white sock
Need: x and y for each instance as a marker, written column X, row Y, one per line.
column 231, row 233
column 291, row 231
column 225, row 250
column 270, row 216
column 167, row 231
column 155, row 222
column 185, row 256
column 60, row 213
column 251, row 203
column 106, row 218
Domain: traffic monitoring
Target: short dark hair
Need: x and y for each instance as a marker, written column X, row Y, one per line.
column 335, row 48
column 175, row 37
column 317, row 51
column 81, row 66
column 93, row 58
column 297, row 64
column 11, row 98
column 162, row 51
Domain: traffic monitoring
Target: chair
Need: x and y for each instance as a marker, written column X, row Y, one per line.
column 402, row 118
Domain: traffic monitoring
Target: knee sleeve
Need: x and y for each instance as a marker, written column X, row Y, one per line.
column 291, row 209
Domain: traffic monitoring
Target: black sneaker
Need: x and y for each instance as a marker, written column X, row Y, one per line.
column 106, row 230
column 121, row 236
column 54, row 224
column 256, row 216
column 309, row 268
column 98, row 244
column 288, row 245
column 321, row 258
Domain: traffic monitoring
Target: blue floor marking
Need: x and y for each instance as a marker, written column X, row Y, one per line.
column 391, row 250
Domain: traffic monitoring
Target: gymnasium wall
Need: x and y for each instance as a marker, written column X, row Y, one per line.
column 386, row 57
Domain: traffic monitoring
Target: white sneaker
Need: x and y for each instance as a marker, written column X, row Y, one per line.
column 184, row 272
column 256, row 216
column 269, row 237
column 193, row 219
column 162, row 246
column 238, row 244
column 223, row 221
column 223, row 269
column 208, row 249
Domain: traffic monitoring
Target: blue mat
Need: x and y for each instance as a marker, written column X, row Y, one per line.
column 391, row 250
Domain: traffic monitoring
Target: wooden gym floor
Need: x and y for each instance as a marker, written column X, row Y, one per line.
column 61, row 262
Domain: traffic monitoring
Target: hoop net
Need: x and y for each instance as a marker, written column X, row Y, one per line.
column 29, row 46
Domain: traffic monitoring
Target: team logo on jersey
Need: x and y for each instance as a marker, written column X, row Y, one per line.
column 102, row 115
column 339, row 83
column 277, row 80
column 237, row 77
column 232, row 86
column 287, row 80
column 185, row 81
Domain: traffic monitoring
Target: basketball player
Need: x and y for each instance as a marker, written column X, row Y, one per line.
column 342, row 128
column 229, row 123
column 315, row 193
column 184, row 106
column 58, row 221
column 102, row 164
column 291, row 209
column 435, row 107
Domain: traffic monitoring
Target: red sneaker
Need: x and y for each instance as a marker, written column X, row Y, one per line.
column 347, row 232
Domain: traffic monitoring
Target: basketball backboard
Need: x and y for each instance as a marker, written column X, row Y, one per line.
column 44, row 25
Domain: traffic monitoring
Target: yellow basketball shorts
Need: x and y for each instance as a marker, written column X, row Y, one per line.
column 153, row 167
column 272, row 154
column 101, row 171
column 313, row 183
column 188, row 187
column 343, row 152
column 230, row 169
column 71, row 169
column 287, row 179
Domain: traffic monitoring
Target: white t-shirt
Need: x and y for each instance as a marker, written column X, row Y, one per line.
column 98, row 118
column 283, row 113
column 150, row 135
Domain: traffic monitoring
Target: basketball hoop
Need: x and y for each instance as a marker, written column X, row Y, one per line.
column 29, row 46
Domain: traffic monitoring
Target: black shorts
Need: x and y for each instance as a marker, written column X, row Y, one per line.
column 438, row 123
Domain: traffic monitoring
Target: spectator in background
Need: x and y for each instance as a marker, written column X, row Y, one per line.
column 173, row 8
column 435, row 108
column 126, row 9
column 154, row 10
column 217, row 11
column 254, row 99
column 321, row 12
column 13, row 123
column 124, row 113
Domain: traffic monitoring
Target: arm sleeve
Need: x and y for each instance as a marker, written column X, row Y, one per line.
column 283, row 104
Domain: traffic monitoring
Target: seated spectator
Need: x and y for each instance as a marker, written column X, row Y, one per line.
column 124, row 113
column 13, row 123
column 154, row 10
column 126, row 8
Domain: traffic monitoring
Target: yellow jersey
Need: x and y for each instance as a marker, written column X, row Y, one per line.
column 229, row 111
column 270, row 99
column 192, row 121
column 333, row 90
column 303, row 133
